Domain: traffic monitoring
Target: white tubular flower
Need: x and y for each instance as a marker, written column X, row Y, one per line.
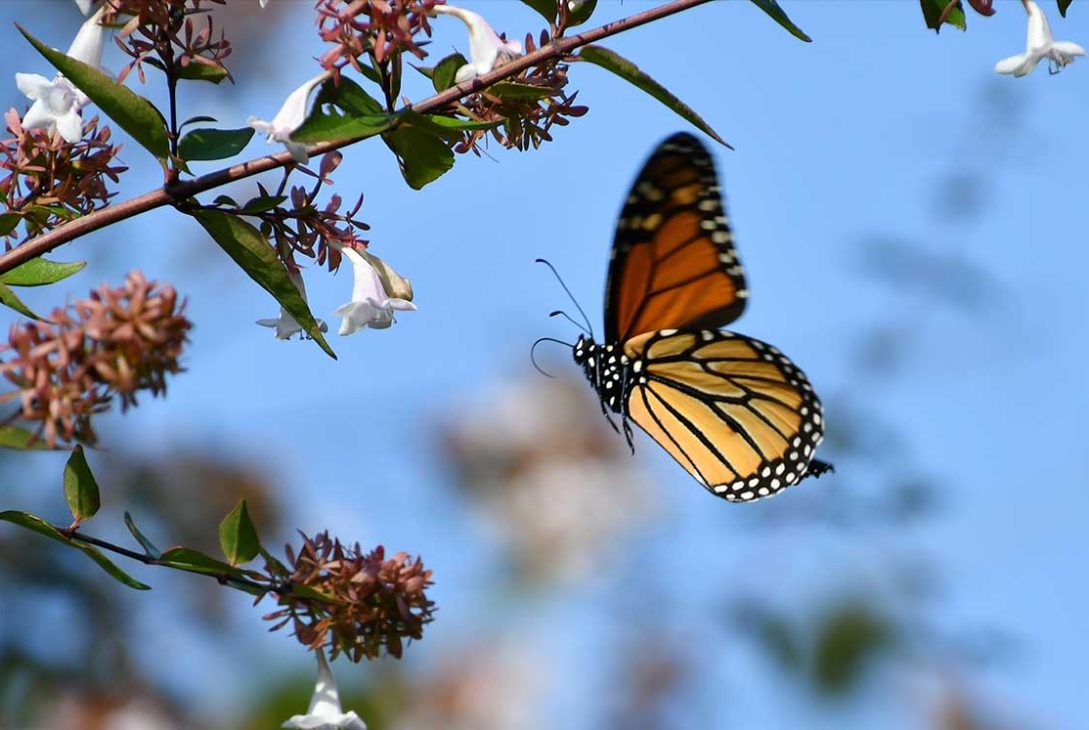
column 85, row 5
column 1040, row 45
column 57, row 103
column 371, row 305
column 325, row 712
column 263, row 3
column 285, row 325
column 486, row 48
column 290, row 117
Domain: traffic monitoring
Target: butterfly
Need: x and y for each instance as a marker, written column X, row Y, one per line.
column 735, row 412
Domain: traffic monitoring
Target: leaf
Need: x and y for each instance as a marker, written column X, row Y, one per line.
column 625, row 69
column 197, row 562
column 80, row 487
column 38, row 272
column 581, row 12
column 445, row 70
column 134, row 114
column 461, row 124
column 518, row 92
column 149, row 547
column 771, row 7
column 348, row 96
column 324, row 127
column 198, row 118
column 214, row 144
column 422, row 154
column 37, row 524
column 262, row 203
column 202, row 72
column 8, row 222
column 547, row 8
column 932, row 13
column 237, row 536
column 14, row 437
column 1063, row 5
column 252, row 251
column 8, row 299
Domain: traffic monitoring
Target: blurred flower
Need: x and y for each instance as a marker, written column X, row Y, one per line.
column 362, row 604
column 263, row 2
column 85, row 5
column 371, row 305
column 1040, row 45
column 290, row 117
column 285, row 324
column 57, row 103
column 556, row 485
column 486, row 49
column 117, row 342
column 378, row 28
column 325, row 712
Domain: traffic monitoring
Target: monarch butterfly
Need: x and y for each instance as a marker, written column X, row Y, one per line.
column 733, row 411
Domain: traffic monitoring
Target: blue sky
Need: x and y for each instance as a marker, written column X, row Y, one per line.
column 836, row 141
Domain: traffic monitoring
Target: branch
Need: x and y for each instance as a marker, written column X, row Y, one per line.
column 176, row 193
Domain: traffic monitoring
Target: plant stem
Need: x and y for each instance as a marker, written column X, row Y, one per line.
column 180, row 191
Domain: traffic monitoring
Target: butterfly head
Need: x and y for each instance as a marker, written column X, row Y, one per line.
column 583, row 349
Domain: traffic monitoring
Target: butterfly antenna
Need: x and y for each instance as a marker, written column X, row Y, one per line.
column 533, row 350
column 589, row 328
column 565, row 315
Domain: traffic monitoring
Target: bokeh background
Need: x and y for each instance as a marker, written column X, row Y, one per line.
column 912, row 226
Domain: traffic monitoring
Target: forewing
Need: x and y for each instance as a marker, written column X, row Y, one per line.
column 673, row 260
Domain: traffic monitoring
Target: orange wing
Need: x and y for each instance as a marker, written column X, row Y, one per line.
column 733, row 411
column 673, row 260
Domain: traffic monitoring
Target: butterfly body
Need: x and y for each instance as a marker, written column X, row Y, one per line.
column 735, row 412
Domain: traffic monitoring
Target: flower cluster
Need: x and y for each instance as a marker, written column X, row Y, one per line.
column 117, row 342
column 380, row 28
column 362, row 604
column 163, row 33
column 527, row 106
column 46, row 181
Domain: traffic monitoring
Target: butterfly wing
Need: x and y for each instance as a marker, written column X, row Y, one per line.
column 733, row 411
column 673, row 260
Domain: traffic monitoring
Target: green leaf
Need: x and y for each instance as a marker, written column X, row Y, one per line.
column 1063, row 5
column 461, row 124
column 547, row 8
column 625, row 69
column 581, row 12
column 323, row 127
column 422, row 154
column 348, row 96
column 237, row 536
column 932, row 13
column 134, row 114
column 198, row 118
column 771, row 7
column 149, row 547
column 8, row 222
column 202, row 72
column 8, row 299
column 14, row 437
column 197, row 562
column 445, row 70
column 214, row 144
column 255, row 255
column 518, row 92
column 37, row 524
column 262, row 203
column 38, row 272
column 80, row 487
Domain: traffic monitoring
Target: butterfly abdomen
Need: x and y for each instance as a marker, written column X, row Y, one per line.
column 610, row 371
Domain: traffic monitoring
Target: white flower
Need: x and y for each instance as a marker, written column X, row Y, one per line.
column 57, row 103
column 325, row 712
column 285, row 324
column 371, row 305
column 263, row 2
column 486, row 48
column 1040, row 45
column 290, row 117
column 85, row 5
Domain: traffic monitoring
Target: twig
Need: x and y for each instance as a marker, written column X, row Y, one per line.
column 176, row 193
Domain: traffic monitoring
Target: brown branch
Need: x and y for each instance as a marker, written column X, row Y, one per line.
column 181, row 191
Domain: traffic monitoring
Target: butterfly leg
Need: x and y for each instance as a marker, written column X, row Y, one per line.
column 818, row 467
column 628, row 435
